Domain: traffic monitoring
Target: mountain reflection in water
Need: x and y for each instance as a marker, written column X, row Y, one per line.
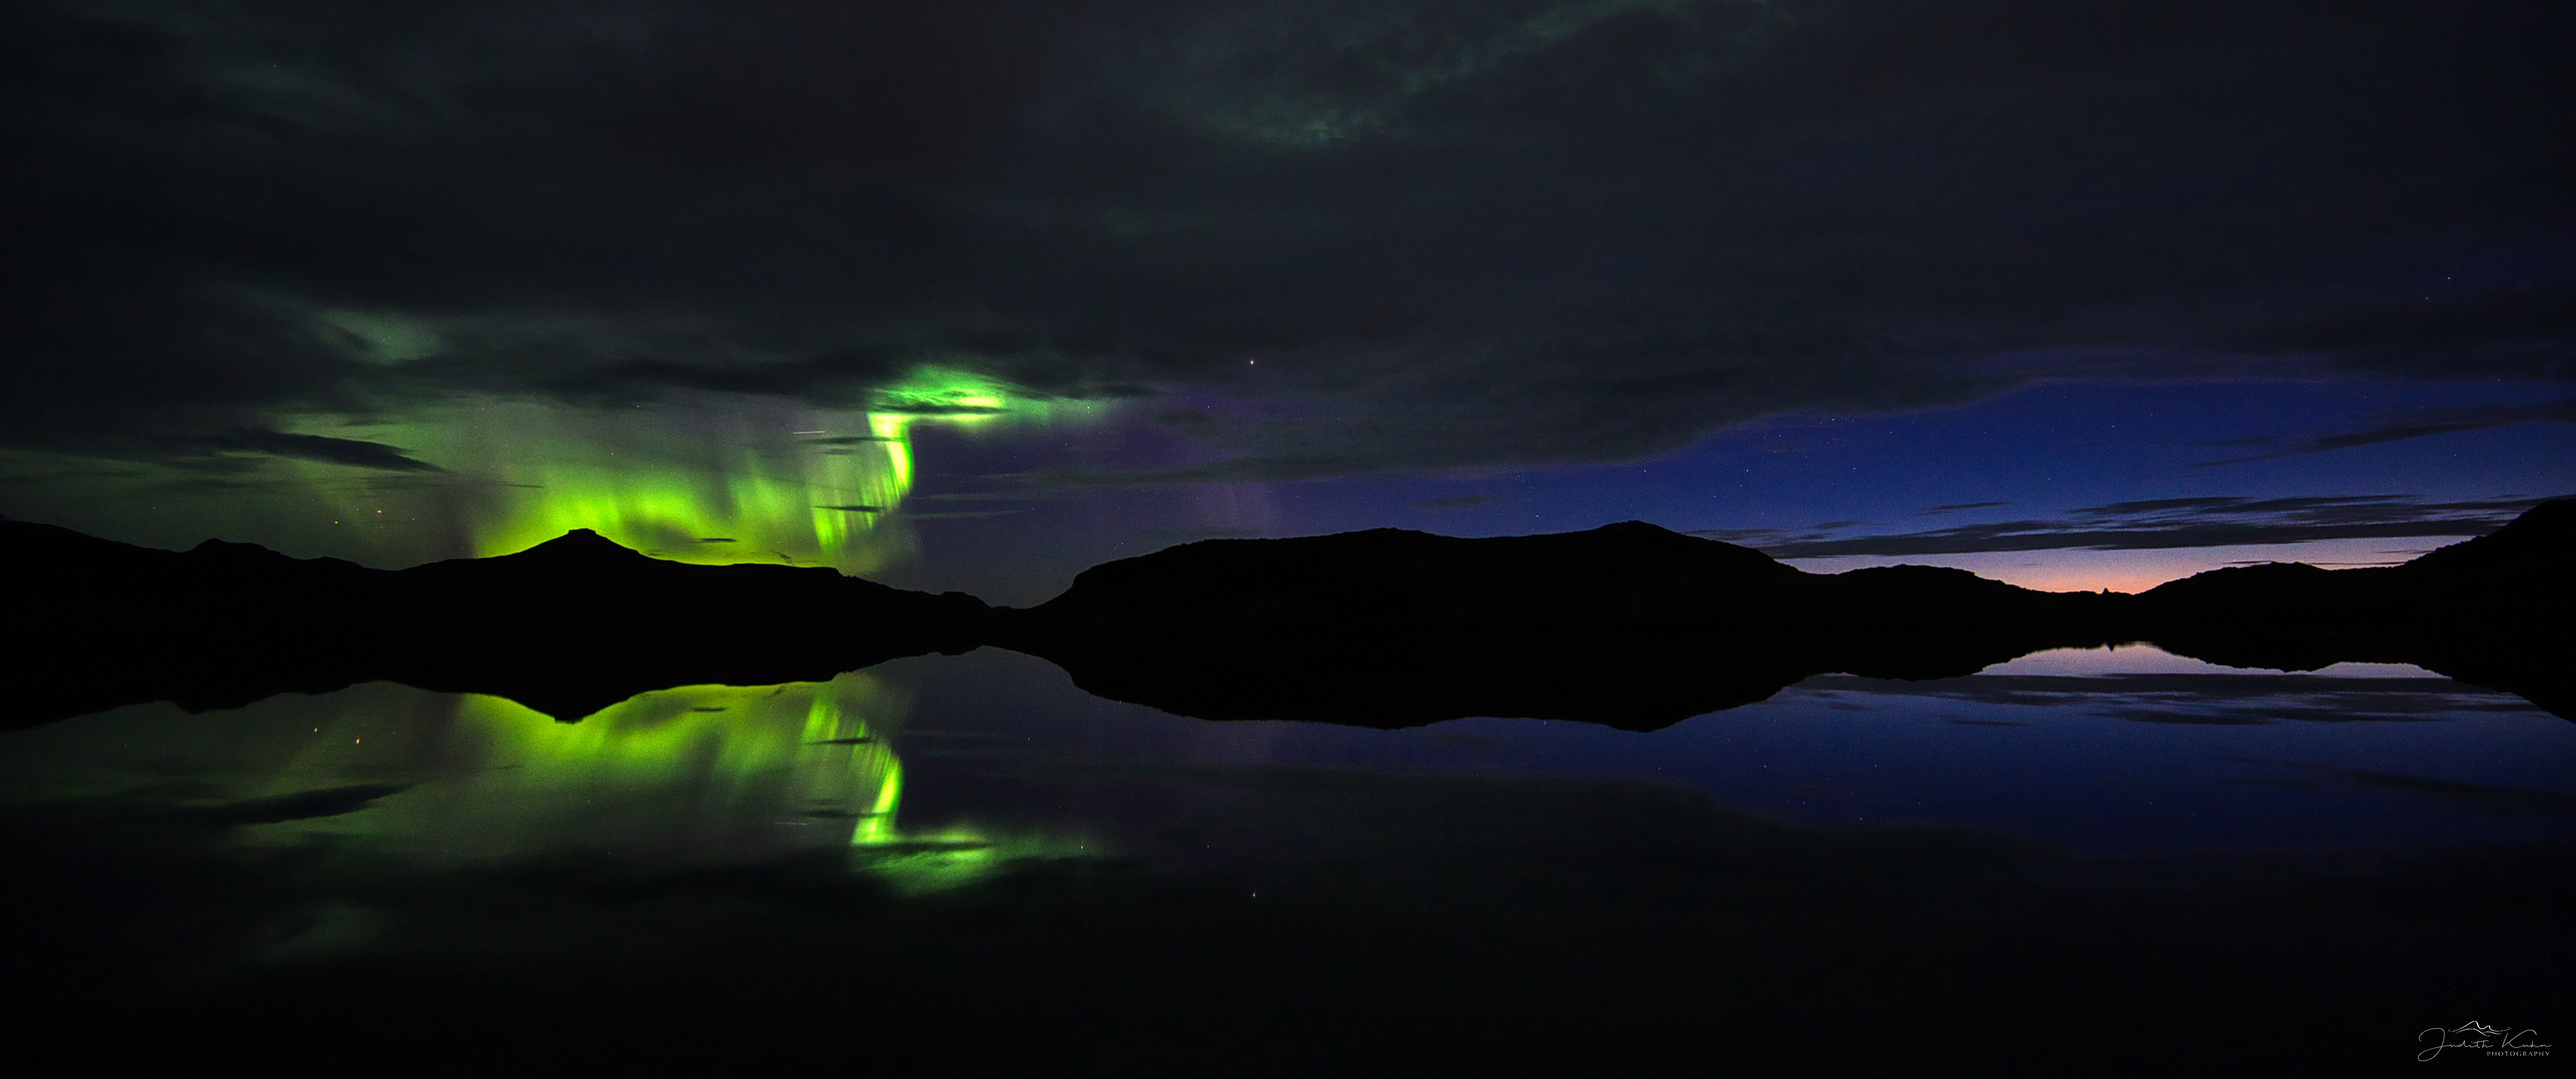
column 2117, row 748
column 2107, row 843
column 693, row 773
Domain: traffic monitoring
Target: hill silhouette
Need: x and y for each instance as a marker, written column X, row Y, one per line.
column 567, row 627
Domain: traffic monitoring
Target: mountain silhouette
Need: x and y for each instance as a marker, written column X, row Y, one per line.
column 567, row 627
column 1636, row 626
column 2490, row 610
column 1629, row 625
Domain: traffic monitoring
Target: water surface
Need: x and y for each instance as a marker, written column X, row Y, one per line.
column 2190, row 840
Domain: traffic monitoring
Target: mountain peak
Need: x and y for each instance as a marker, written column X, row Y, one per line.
column 223, row 548
column 583, row 544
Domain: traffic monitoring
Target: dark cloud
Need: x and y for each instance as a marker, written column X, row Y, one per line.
column 2166, row 523
column 2443, row 421
column 1454, row 234
column 2170, row 505
column 2424, row 423
column 1931, row 511
column 2520, row 328
column 335, row 451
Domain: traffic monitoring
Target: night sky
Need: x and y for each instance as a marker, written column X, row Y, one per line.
column 975, row 294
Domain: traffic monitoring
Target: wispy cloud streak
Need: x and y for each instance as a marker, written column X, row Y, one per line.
column 2420, row 423
column 2164, row 523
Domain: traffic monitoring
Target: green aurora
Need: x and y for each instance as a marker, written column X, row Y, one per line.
column 801, row 486
column 710, row 479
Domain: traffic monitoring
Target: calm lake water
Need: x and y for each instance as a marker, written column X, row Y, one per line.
column 319, row 849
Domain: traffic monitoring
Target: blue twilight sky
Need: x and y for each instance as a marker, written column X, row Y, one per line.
column 2027, row 486
column 975, row 294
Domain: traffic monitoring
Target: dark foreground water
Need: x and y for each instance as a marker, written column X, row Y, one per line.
column 2078, row 862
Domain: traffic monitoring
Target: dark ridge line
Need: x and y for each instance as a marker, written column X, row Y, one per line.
column 1629, row 625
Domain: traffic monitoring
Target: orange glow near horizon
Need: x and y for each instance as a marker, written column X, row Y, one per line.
column 2138, row 571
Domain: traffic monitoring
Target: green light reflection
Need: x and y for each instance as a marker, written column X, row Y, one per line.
column 690, row 774
column 725, row 770
column 720, row 770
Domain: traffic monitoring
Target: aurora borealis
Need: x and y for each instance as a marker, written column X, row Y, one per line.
column 977, row 296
